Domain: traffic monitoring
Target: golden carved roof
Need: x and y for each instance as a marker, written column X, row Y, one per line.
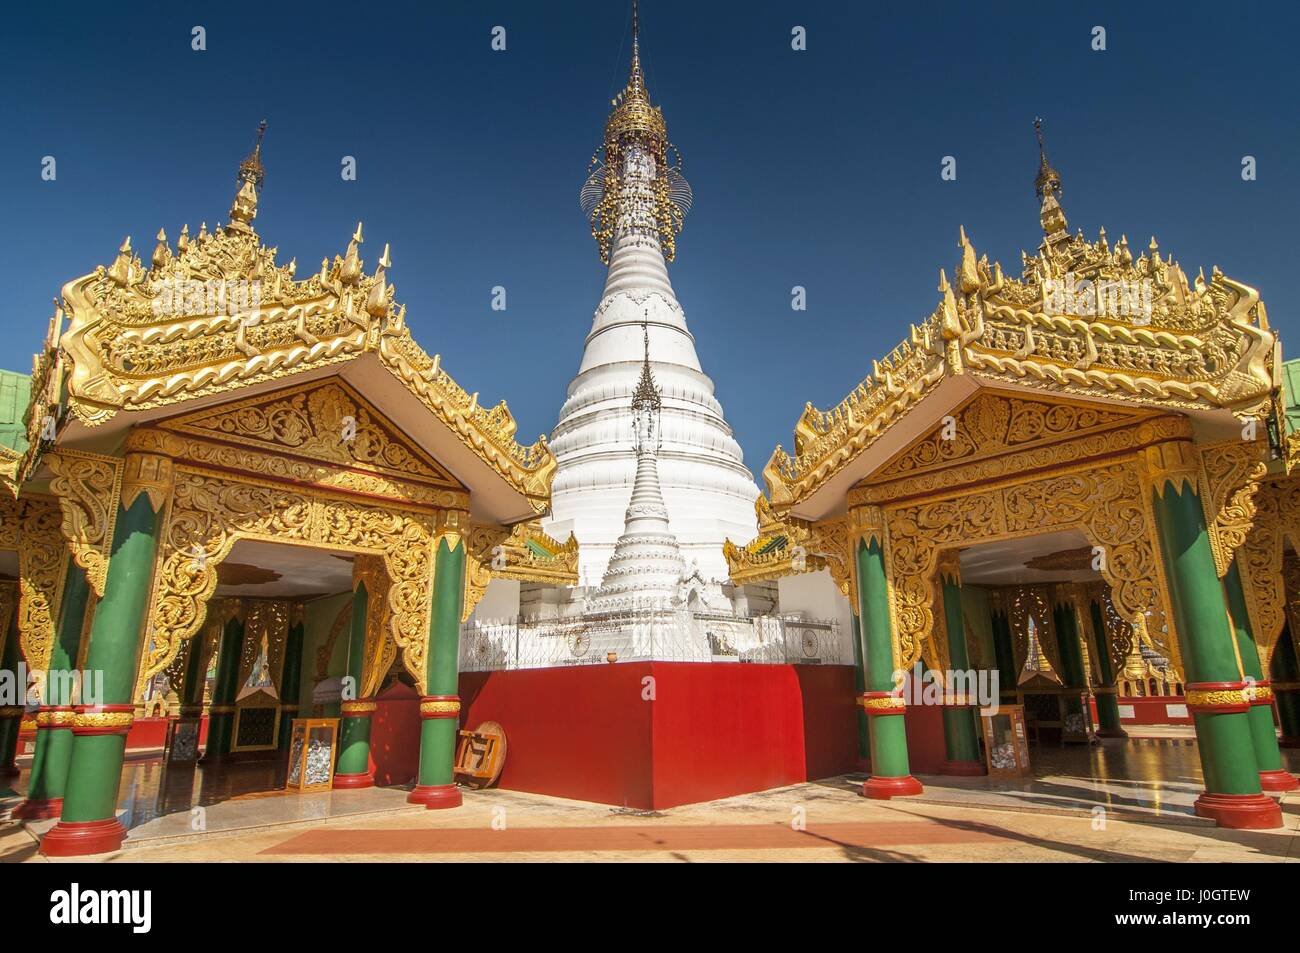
column 217, row 313
column 1085, row 318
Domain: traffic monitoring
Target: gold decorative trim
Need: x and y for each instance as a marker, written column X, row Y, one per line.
column 88, row 487
column 439, row 708
column 103, row 719
column 210, row 511
column 135, row 343
column 150, row 474
column 1270, row 575
column 1105, row 501
column 523, row 552
column 31, row 526
column 1202, row 346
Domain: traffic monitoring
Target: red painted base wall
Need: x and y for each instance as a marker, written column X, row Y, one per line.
column 659, row 734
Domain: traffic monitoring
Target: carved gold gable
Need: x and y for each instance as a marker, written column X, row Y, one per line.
column 322, row 422
column 992, row 425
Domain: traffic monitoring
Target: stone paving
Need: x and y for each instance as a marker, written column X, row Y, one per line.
column 1087, row 804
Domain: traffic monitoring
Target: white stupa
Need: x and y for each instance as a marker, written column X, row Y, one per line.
column 646, row 567
column 636, row 203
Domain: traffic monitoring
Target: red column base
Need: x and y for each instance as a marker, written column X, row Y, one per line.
column 967, row 769
column 882, row 789
column 365, row 780
column 1240, row 811
column 1278, row 780
column 435, row 796
column 1111, row 733
column 1288, row 741
column 38, row 810
column 78, row 838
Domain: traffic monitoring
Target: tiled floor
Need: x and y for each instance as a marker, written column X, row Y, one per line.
column 156, row 800
column 1150, row 778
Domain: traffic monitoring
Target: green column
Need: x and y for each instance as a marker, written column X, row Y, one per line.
column 890, row 773
column 1272, row 776
column 88, row 823
column 221, row 716
column 1285, row 670
column 1215, row 688
column 1107, row 693
column 960, row 734
column 11, row 716
column 860, row 686
column 53, row 751
column 185, row 732
column 440, row 709
column 1005, row 654
column 290, row 680
column 1073, row 680
column 353, row 768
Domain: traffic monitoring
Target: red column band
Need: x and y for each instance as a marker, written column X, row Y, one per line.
column 55, row 716
column 440, row 706
column 882, row 703
column 103, row 719
column 1220, row 698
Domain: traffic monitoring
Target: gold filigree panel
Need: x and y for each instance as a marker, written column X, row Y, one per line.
column 327, row 422
column 1107, row 502
column 1205, row 345
column 210, row 512
column 88, row 487
column 1230, row 476
column 991, row 425
column 31, row 526
column 1261, row 561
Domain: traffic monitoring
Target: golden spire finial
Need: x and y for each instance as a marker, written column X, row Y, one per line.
column 1047, row 184
column 659, row 198
column 1048, row 179
column 251, row 175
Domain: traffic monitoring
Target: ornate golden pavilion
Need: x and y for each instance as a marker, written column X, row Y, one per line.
column 1100, row 400
column 212, row 401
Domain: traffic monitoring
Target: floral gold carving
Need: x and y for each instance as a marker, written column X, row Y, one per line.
column 88, row 488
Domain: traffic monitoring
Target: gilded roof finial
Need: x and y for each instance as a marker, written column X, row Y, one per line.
column 1048, row 179
column 1047, row 184
column 351, row 270
column 251, row 174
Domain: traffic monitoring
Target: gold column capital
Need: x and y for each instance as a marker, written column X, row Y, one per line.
column 1173, row 462
column 451, row 525
column 948, row 566
column 867, row 522
column 149, row 473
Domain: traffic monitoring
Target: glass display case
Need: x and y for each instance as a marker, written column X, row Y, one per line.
column 182, row 743
column 312, row 745
column 1006, row 745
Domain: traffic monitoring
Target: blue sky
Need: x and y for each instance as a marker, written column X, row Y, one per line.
column 817, row 168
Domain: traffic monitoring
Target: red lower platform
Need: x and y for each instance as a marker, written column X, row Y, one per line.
column 654, row 735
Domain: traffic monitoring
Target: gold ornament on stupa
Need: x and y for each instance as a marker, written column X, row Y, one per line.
column 632, row 188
